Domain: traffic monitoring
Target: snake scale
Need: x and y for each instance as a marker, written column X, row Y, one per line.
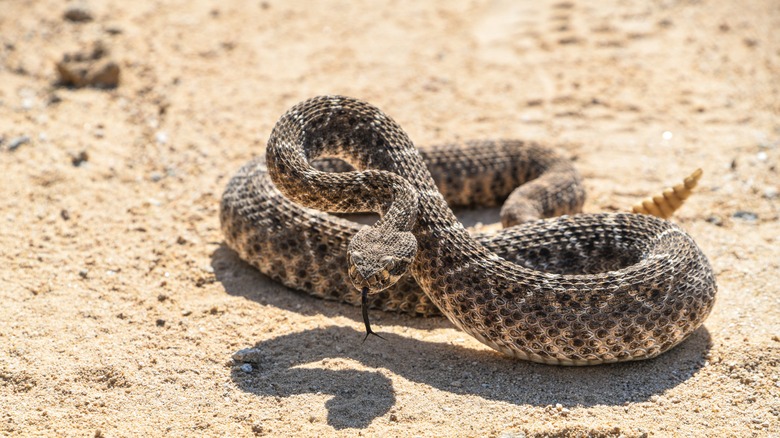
column 582, row 289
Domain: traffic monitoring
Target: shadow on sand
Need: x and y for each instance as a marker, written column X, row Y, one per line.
column 444, row 366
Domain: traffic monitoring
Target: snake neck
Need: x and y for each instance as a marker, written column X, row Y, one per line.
column 335, row 127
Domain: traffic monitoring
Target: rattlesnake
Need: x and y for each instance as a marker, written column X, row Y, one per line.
column 571, row 290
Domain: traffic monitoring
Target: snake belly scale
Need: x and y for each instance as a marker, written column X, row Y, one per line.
column 571, row 290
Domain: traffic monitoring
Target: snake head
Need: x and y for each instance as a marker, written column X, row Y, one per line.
column 377, row 259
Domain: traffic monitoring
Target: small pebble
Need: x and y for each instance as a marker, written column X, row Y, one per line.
column 186, row 312
column 79, row 158
column 761, row 156
column 77, row 14
column 18, row 141
column 456, row 384
column 161, row 137
column 558, row 407
column 770, row 193
column 748, row 216
column 64, row 214
column 156, row 176
column 248, row 355
column 54, row 99
column 83, row 273
column 667, row 135
column 160, row 323
column 90, row 66
column 247, row 368
column 715, row 220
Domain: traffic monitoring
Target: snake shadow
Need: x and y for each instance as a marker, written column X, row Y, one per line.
column 304, row 362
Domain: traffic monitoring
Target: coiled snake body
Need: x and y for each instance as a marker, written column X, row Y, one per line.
column 571, row 290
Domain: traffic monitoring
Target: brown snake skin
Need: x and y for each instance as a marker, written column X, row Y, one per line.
column 572, row 290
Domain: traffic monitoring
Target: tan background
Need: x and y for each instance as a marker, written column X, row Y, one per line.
column 121, row 307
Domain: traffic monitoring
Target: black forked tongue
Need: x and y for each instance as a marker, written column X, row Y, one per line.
column 364, row 306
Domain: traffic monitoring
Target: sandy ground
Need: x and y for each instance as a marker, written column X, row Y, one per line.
column 121, row 306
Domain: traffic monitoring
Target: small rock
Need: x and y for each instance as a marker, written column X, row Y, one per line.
column 761, row 156
column 247, row 368
column 161, row 137
column 558, row 407
column 113, row 30
column 770, row 193
column 54, row 99
column 77, row 14
column 186, row 312
column 160, row 323
column 456, row 383
column 79, row 158
column 248, row 355
column 156, row 176
column 89, row 67
column 512, row 434
column 715, row 220
column 64, row 214
column 18, row 141
column 83, row 273
column 748, row 216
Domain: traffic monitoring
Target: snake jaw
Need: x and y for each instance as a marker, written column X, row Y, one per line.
column 375, row 277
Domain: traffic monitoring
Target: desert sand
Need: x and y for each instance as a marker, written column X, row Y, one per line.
column 121, row 308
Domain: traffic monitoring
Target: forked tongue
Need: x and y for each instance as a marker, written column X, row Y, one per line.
column 364, row 306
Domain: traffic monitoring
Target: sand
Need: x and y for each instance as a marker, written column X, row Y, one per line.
column 122, row 308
